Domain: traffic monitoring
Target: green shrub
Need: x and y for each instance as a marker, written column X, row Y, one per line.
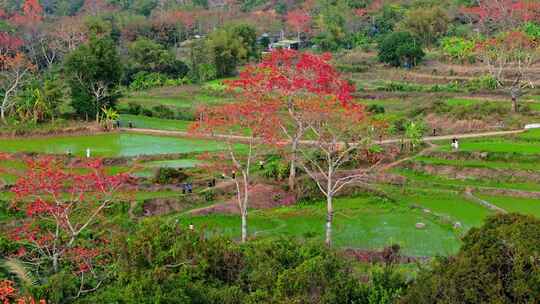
column 162, row 262
column 400, row 49
column 147, row 112
column 532, row 29
column 146, row 80
column 486, row 82
column 458, row 49
column 169, row 176
column 134, row 108
column 375, row 109
column 352, row 68
column 161, row 111
column 276, row 168
column 187, row 114
column 497, row 263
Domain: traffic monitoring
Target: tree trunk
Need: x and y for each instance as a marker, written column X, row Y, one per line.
column 55, row 262
column 244, row 205
column 292, row 168
column 244, row 226
column 3, row 115
column 329, row 219
column 515, row 108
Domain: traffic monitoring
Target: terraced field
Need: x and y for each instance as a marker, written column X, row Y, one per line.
column 110, row 145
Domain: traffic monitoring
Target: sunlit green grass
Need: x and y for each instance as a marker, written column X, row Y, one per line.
column 422, row 179
column 478, row 163
column 515, row 204
column 496, row 145
column 144, row 122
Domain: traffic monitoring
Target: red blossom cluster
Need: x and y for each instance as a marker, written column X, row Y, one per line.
column 69, row 201
column 83, row 258
column 288, row 72
column 8, row 295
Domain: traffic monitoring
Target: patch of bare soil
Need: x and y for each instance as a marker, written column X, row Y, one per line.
column 261, row 196
column 162, row 206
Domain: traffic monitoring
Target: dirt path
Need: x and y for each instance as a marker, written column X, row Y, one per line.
column 469, row 195
column 239, row 138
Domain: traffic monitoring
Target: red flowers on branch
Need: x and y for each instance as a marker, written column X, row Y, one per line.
column 8, row 295
column 62, row 204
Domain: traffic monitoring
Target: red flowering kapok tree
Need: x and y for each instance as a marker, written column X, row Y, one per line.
column 63, row 204
column 254, row 124
column 339, row 140
column 509, row 57
column 300, row 21
column 287, row 77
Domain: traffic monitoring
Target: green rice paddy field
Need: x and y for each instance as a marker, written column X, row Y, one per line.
column 110, row 145
column 435, row 200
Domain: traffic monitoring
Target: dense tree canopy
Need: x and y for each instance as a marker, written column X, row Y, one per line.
column 95, row 72
column 400, row 49
column 498, row 263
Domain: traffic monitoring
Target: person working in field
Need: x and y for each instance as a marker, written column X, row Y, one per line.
column 455, row 144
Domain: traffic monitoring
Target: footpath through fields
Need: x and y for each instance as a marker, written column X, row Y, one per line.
column 240, row 138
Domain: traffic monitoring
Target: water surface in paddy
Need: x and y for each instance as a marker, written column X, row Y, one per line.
column 110, row 145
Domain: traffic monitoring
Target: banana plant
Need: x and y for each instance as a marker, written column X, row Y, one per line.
column 110, row 116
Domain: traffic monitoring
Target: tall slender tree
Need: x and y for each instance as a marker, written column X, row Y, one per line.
column 255, row 122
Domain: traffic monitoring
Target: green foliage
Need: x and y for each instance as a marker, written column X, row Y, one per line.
column 498, row 263
column 426, row 24
column 387, row 19
column 228, row 51
column 375, row 109
column 164, row 112
column 166, row 263
column 400, row 49
column 201, row 66
column 333, row 35
column 485, row 82
column 276, row 168
column 167, row 176
column 248, row 35
column 94, row 67
column 361, row 40
column 532, row 29
column 148, row 80
column 458, row 49
column 149, row 56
